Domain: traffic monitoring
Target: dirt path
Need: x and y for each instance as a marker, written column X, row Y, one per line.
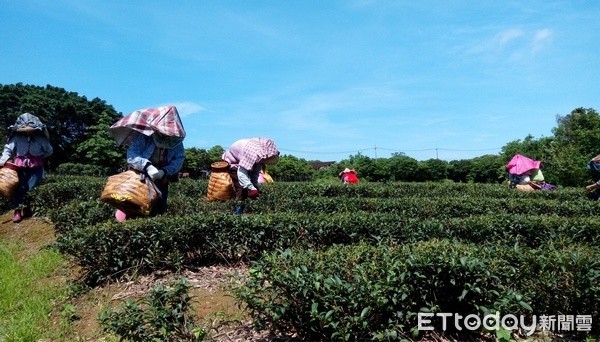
column 215, row 308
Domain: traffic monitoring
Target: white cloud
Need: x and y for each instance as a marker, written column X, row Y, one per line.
column 513, row 44
column 541, row 39
column 497, row 44
column 188, row 108
column 506, row 36
column 338, row 113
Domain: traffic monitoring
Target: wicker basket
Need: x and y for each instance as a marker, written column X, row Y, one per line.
column 219, row 166
column 524, row 187
column 220, row 184
column 130, row 193
column 9, row 180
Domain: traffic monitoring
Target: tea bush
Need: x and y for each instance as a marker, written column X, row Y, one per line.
column 442, row 207
column 163, row 315
column 57, row 191
column 144, row 245
column 423, row 190
column 376, row 291
column 359, row 261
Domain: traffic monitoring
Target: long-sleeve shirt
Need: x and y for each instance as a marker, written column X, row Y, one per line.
column 249, row 178
column 30, row 149
column 245, row 155
column 141, row 149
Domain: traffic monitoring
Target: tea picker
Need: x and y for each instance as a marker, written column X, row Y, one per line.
column 155, row 154
column 28, row 145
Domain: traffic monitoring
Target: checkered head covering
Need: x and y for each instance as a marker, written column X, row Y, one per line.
column 162, row 123
column 247, row 152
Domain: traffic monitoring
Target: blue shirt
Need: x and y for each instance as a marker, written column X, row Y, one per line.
column 141, row 149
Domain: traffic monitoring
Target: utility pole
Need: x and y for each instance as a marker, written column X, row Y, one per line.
column 375, row 151
column 436, row 153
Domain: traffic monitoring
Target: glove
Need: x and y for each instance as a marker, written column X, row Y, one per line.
column 253, row 193
column 154, row 173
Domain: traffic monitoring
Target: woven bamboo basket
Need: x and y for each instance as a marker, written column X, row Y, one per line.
column 524, row 187
column 220, row 184
column 9, row 180
column 128, row 192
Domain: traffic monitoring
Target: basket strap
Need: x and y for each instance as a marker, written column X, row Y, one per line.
column 150, row 182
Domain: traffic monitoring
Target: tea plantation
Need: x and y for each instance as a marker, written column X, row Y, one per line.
column 364, row 262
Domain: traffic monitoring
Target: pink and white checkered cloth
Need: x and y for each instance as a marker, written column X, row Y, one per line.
column 163, row 120
column 247, row 152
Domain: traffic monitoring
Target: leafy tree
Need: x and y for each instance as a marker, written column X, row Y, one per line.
column 365, row 167
column 212, row 155
column 199, row 159
column 433, row 170
column 487, row 169
column 403, row 168
column 565, row 155
column 533, row 148
column 291, row 169
column 577, row 140
column 66, row 114
column 566, row 166
column 580, row 128
column 380, row 170
column 460, row 170
column 101, row 149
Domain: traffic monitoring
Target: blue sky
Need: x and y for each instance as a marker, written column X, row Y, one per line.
column 324, row 79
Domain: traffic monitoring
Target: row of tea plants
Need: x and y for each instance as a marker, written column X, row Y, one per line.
column 338, row 262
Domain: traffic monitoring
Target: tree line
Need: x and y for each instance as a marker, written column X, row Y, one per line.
column 78, row 130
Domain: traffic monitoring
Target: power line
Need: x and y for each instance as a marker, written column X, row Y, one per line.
column 392, row 150
column 476, row 150
column 315, row 152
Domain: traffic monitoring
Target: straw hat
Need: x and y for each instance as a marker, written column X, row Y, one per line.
column 346, row 170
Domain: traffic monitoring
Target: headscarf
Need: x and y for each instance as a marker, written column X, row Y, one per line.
column 520, row 164
column 27, row 123
column 255, row 150
column 162, row 123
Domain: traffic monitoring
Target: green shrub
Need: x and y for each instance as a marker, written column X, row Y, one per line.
column 364, row 259
column 376, row 292
column 163, row 315
column 59, row 191
column 80, row 214
column 75, row 169
column 170, row 241
column 428, row 207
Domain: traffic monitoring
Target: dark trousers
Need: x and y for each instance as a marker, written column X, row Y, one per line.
column 29, row 178
column 161, row 205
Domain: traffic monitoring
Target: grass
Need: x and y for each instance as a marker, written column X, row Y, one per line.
column 40, row 300
column 27, row 296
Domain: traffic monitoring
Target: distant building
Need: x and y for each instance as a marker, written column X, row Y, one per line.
column 318, row 165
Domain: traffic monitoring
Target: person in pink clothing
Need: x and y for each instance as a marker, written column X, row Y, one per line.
column 246, row 158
